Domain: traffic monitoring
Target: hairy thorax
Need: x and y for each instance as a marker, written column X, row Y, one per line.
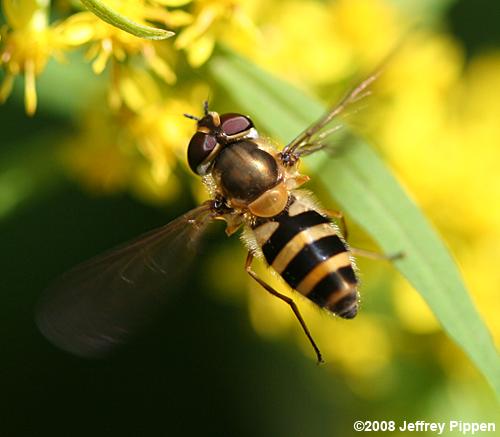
column 244, row 172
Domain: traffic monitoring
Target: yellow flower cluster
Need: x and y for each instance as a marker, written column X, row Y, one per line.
column 137, row 146
column 29, row 40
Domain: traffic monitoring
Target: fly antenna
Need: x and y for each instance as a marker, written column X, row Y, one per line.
column 205, row 107
column 192, row 117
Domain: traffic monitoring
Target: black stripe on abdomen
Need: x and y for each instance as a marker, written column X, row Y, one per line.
column 324, row 293
column 320, row 294
column 310, row 256
column 348, row 274
column 289, row 226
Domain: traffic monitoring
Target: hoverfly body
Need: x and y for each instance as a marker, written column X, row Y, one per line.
column 252, row 185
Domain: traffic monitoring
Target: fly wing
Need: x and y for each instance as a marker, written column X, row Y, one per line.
column 101, row 303
column 317, row 136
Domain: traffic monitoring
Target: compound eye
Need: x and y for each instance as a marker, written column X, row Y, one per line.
column 199, row 149
column 234, row 124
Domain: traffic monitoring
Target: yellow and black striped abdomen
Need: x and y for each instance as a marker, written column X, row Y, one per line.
column 307, row 252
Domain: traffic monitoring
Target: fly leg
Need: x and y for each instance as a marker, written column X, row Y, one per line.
column 376, row 255
column 288, row 300
column 339, row 215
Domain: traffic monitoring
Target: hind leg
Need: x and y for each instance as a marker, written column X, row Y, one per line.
column 288, row 300
column 339, row 215
column 376, row 255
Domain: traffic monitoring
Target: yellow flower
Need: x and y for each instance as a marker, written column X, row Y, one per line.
column 160, row 130
column 109, row 42
column 320, row 43
column 370, row 27
column 303, row 45
column 28, row 41
column 171, row 18
column 227, row 20
column 138, row 146
column 99, row 158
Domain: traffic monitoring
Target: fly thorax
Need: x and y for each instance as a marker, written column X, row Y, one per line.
column 244, row 172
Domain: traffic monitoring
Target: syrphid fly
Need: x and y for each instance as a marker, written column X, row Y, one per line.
column 253, row 186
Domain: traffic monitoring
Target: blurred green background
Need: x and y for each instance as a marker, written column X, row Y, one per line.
column 217, row 363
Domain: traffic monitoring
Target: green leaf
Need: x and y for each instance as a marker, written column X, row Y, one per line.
column 105, row 13
column 367, row 191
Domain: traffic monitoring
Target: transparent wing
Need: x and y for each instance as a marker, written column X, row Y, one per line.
column 101, row 303
column 317, row 135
